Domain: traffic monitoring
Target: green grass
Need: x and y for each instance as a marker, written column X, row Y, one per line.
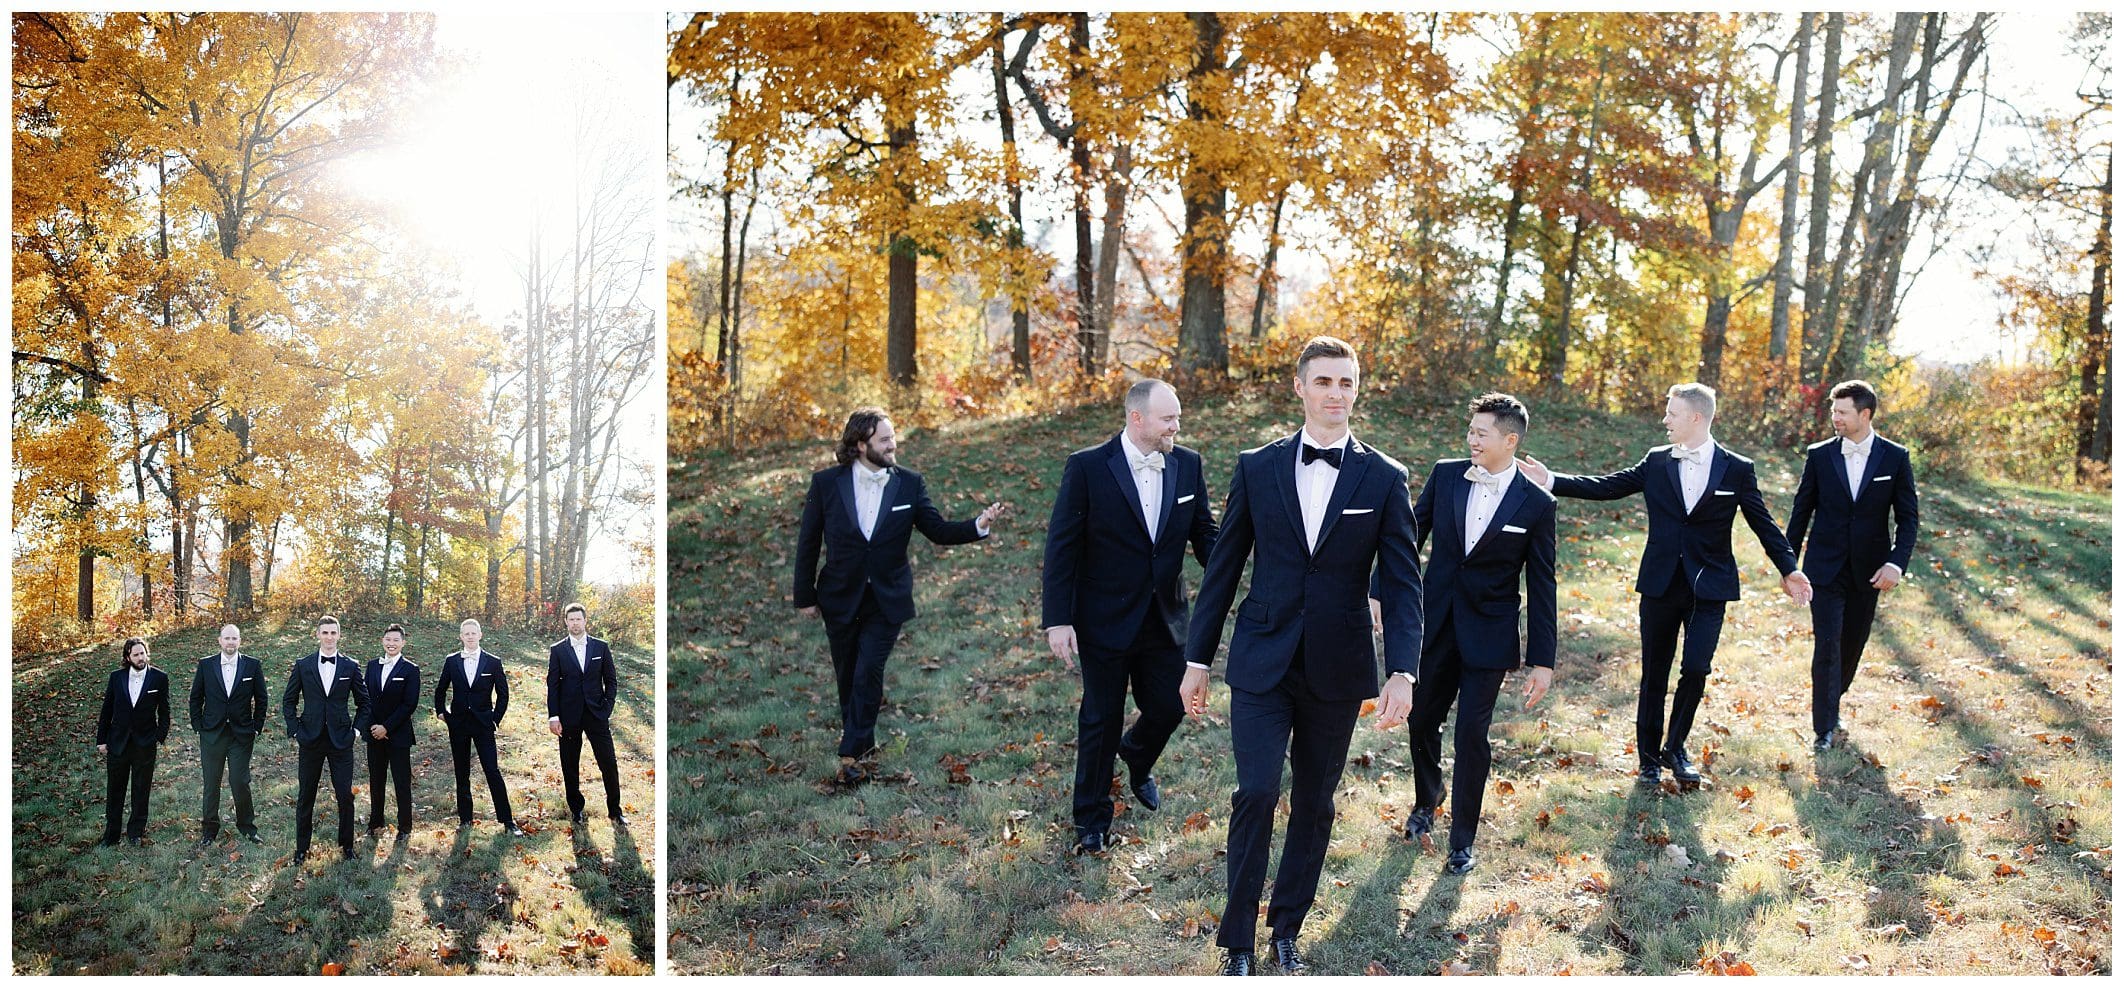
column 445, row 902
column 1965, row 829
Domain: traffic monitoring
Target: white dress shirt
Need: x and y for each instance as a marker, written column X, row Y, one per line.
column 1696, row 472
column 1482, row 504
column 387, row 663
column 134, row 679
column 1150, row 485
column 582, row 651
column 470, row 660
column 1316, row 483
column 1855, row 456
column 228, row 673
column 870, row 496
column 326, row 673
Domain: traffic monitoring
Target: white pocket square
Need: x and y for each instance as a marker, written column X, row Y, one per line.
column 485, row 675
column 245, row 679
column 1357, row 511
column 398, row 679
column 1186, row 499
column 901, row 507
column 1515, row 528
column 1884, row 478
column 1723, row 493
column 146, row 692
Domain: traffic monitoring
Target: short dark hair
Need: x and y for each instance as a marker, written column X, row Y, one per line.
column 1323, row 346
column 572, row 608
column 1510, row 412
column 1861, row 395
column 401, row 631
column 862, row 424
column 125, row 651
column 327, row 619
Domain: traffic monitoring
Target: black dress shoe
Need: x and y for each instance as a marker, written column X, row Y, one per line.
column 374, row 830
column 1286, row 950
column 108, row 842
column 619, row 819
column 1684, row 773
column 575, row 817
column 1824, row 742
column 253, row 837
column 401, row 838
column 1092, row 842
column 464, row 824
column 514, row 830
column 346, row 854
column 134, row 841
column 1648, row 775
column 1460, row 861
column 1146, row 791
column 851, row 772
column 1418, row 825
column 1239, row 963
column 207, row 841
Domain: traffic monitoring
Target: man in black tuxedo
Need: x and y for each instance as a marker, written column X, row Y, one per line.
column 481, row 697
column 1316, row 512
column 394, row 691
column 1851, row 483
column 1124, row 517
column 228, row 706
column 1693, row 487
column 580, row 689
column 135, row 719
column 1492, row 524
column 863, row 512
column 315, row 707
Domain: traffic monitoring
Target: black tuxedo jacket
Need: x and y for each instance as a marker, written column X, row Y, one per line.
column 1701, row 540
column 125, row 723
column 212, row 706
column 478, row 705
column 1314, row 596
column 853, row 562
column 1479, row 590
column 1104, row 572
column 317, row 711
column 576, row 692
column 393, row 703
column 1854, row 532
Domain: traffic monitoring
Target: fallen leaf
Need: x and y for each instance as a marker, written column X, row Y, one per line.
column 1375, row 969
column 335, row 969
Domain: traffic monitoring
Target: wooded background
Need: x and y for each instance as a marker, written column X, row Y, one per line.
column 237, row 386
column 1589, row 206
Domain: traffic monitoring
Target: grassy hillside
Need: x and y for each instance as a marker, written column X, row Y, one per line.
column 1966, row 828
column 478, row 901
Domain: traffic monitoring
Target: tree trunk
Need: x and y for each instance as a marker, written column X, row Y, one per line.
column 900, row 365
column 2092, row 438
column 1204, row 237
column 1265, row 286
column 1788, row 217
column 1813, row 332
column 1113, row 225
column 1020, row 314
column 1517, row 179
column 1090, row 347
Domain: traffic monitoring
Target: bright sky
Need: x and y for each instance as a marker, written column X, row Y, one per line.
column 1951, row 314
column 491, row 148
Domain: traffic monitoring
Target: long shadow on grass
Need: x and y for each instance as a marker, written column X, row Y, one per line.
column 1664, row 916
column 2039, row 819
column 466, row 893
column 1853, row 816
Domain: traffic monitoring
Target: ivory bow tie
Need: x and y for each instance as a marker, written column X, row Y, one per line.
column 1697, row 455
column 877, row 479
column 1488, row 480
column 1850, row 447
column 1151, row 461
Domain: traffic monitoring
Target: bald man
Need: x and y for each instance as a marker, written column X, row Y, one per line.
column 228, row 707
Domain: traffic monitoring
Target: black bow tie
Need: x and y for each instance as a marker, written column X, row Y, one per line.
column 326, row 658
column 1332, row 456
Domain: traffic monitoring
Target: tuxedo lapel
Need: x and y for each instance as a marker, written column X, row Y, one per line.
column 1286, row 474
column 1460, row 488
column 1672, row 468
column 1168, row 485
column 886, row 499
column 848, row 497
column 1873, row 463
column 1506, row 507
column 1346, row 480
column 1125, row 478
column 1720, row 459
